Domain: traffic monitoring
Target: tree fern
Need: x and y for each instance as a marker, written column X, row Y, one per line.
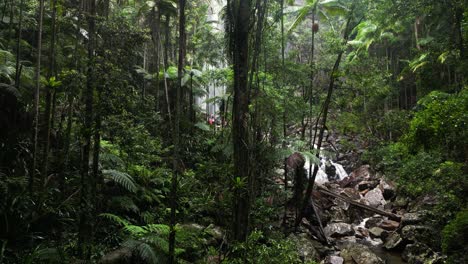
column 121, row 178
column 143, row 250
column 10, row 89
column 115, row 218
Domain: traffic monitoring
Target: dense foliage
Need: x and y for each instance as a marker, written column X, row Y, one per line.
column 107, row 151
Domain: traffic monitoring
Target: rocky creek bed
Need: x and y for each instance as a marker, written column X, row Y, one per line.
column 358, row 235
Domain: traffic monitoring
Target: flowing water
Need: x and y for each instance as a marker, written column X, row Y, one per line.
column 376, row 245
column 322, row 176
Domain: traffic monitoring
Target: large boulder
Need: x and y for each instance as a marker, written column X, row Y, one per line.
column 411, row 218
column 121, row 255
column 354, row 253
column 393, row 242
column 305, row 247
column 421, row 253
column 417, row 233
column 375, row 198
column 338, row 230
column 332, row 260
column 389, row 225
column 376, row 232
column 360, row 174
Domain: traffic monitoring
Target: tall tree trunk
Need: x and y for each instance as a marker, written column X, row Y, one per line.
column 47, row 114
column 18, row 46
column 85, row 231
column 240, row 134
column 36, row 97
column 167, row 37
column 326, row 105
column 176, row 158
column 156, row 28
column 312, row 75
column 191, row 103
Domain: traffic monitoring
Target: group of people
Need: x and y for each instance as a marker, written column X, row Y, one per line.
column 211, row 120
column 215, row 120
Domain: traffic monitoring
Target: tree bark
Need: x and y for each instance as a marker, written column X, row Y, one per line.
column 176, row 158
column 85, row 231
column 36, row 98
column 240, row 121
column 48, row 107
column 18, row 46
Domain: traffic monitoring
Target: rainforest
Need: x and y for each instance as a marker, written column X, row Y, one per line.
column 233, row 131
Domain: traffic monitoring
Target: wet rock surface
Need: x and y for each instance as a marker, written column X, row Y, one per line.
column 338, row 230
column 305, row 246
column 360, row 254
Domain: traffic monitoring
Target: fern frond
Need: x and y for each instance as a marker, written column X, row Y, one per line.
column 121, row 178
column 135, row 231
column 147, row 253
column 157, row 242
column 10, row 89
column 115, row 218
column 158, row 229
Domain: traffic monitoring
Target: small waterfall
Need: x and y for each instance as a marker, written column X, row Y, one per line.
column 335, row 170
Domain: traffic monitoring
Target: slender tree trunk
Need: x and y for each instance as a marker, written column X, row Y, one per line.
column 47, row 119
column 191, row 103
column 312, row 75
column 36, row 97
column 326, row 105
column 85, row 231
column 240, row 121
column 176, row 161
column 285, row 166
column 167, row 39
column 156, row 28
column 18, row 46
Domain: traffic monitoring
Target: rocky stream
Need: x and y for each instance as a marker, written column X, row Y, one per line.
column 356, row 233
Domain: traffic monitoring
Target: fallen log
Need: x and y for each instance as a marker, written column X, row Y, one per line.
column 391, row 216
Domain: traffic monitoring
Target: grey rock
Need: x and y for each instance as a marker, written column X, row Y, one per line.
column 376, row 232
column 411, row 218
column 333, row 260
column 305, row 247
column 393, row 241
column 389, row 225
column 373, row 221
column 359, row 254
column 338, row 230
column 416, row 253
column 417, row 233
column 375, row 197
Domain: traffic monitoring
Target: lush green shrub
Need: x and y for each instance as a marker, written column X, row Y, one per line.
column 454, row 238
column 440, row 125
column 262, row 249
